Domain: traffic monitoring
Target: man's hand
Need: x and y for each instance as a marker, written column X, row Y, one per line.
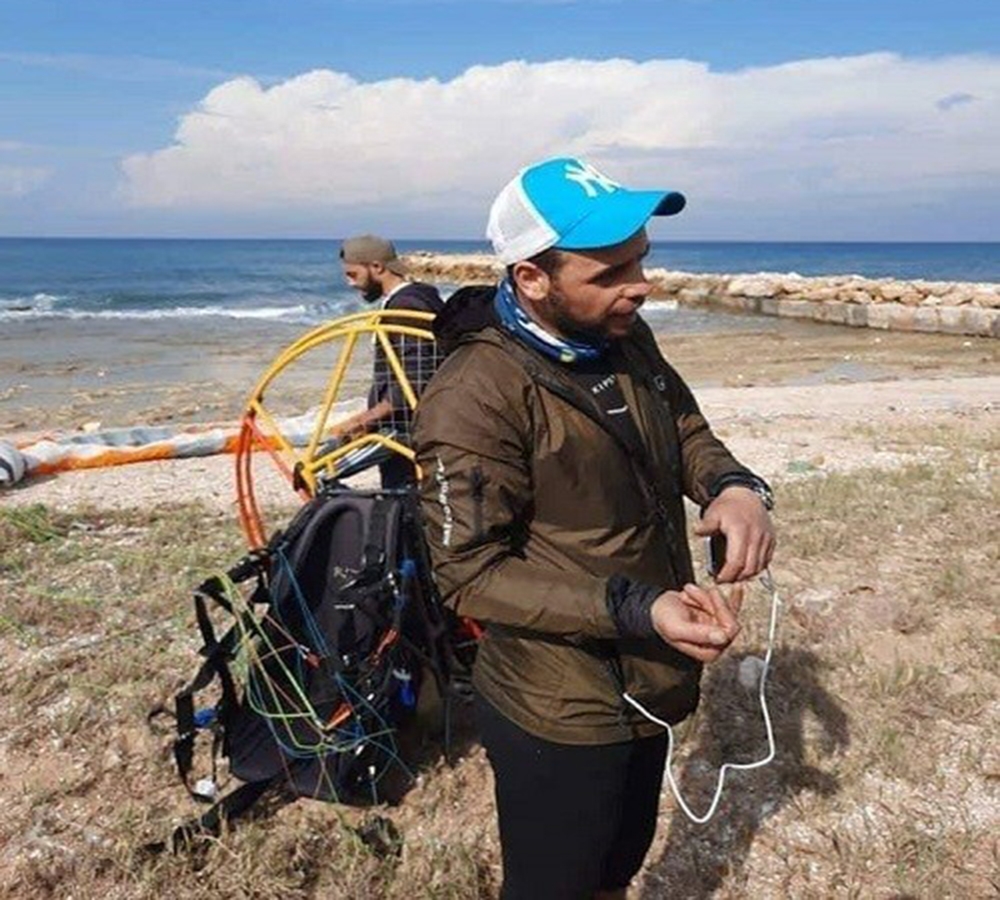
column 699, row 622
column 739, row 514
column 355, row 426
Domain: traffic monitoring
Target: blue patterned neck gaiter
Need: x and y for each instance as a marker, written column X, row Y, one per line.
column 527, row 330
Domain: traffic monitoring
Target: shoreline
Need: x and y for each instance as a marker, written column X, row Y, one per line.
column 59, row 376
column 945, row 307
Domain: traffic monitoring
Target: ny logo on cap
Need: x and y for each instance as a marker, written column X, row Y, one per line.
column 589, row 178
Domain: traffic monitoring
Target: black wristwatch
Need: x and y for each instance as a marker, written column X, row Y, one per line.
column 744, row 479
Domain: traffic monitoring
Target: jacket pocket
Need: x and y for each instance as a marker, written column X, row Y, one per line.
column 664, row 681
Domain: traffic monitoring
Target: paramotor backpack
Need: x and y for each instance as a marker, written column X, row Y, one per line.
column 334, row 625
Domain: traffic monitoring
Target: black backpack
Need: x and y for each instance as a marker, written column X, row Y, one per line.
column 335, row 624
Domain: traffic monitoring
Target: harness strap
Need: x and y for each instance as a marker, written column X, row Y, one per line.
column 217, row 654
column 230, row 807
column 373, row 558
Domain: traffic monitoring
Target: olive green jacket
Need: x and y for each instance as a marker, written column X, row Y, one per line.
column 531, row 504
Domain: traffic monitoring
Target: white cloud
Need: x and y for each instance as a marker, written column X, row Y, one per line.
column 863, row 130
column 16, row 181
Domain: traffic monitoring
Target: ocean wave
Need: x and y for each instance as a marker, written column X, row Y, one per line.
column 10, row 311
column 36, row 303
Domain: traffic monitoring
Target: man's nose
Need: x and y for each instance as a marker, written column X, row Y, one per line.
column 637, row 291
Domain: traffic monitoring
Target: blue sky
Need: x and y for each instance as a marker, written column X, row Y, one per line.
column 814, row 119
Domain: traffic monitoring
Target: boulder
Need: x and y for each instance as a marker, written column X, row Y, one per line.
column 754, row 286
column 823, row 292
column 959, row 296
column 694, row 296
column 892, row 290
column 988, row 298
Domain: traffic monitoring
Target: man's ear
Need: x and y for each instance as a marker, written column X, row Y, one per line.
column 531, row 281
column 377, row 269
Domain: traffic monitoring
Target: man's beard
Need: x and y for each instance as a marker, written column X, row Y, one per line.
column 570, row 328
column 372, row 293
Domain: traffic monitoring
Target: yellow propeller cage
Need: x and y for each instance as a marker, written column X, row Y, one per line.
column 300, row 465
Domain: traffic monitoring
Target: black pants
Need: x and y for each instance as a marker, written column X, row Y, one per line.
column 573, row 819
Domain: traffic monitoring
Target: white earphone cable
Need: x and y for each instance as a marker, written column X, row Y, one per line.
column 768, row 582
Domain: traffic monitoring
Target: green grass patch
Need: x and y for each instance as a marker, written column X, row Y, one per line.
column 34, row 524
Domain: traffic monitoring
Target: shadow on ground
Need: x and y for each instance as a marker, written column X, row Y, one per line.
column 697, row 859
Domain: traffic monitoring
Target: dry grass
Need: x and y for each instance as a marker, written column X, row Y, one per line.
column 883, row 692
column 95, row 630
column 884, row 696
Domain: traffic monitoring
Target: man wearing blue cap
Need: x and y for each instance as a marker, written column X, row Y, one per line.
column 556, row 445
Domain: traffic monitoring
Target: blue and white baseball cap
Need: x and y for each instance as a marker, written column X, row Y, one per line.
column 568, row 204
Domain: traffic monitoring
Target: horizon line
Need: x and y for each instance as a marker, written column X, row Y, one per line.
column 678, row 241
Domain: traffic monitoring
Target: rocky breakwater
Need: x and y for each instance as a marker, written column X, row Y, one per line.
column 942, row 306
column 950, row 307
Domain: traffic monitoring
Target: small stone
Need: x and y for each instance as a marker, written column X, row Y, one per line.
column 750, row 670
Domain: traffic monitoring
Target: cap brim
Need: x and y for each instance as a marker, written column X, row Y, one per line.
column 618, row 216
column 396, row 266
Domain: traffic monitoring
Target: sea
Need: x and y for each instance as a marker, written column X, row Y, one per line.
column 299, row 281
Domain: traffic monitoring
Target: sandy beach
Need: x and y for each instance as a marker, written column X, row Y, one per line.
column 57, row 375
column 785, row 430
column 778, row 388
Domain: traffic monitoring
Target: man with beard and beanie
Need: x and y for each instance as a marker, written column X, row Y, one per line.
column 371, row 266
column 556, row 447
